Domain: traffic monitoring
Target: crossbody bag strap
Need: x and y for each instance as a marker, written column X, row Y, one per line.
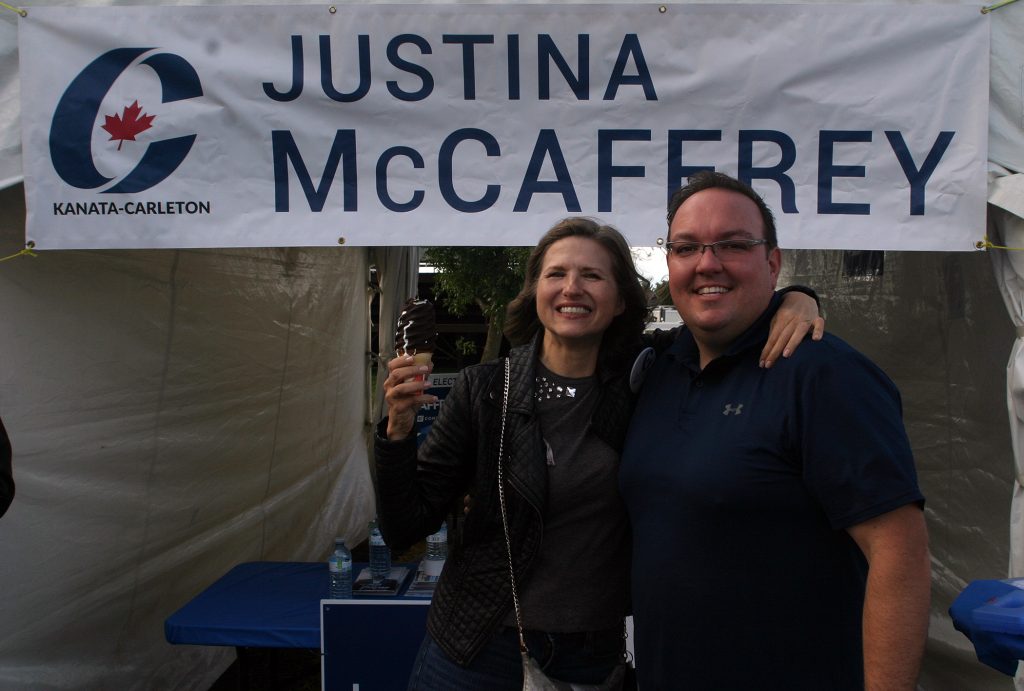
column 504, row 513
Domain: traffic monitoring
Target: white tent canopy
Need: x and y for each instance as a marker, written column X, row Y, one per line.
column 175, row 412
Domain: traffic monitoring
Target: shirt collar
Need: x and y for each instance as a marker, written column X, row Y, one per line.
column 685, row 347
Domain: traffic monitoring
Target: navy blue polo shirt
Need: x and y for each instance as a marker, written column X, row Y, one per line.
column 739, row 484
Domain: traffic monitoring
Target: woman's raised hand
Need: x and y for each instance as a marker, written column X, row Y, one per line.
column 405, row 391
column 797, row 316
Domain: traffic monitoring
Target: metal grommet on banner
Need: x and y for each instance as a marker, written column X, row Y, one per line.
column 341, row 241
column 987, row 244
column 332, row 9
column 660, row 242
column 663, row 9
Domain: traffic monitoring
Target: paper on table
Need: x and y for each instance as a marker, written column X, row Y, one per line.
column 363, row 585
column 425, row 581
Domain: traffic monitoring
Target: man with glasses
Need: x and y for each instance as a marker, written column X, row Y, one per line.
column 778, row 534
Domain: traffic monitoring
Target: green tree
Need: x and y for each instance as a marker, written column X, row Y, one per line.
column 488, row 277
column 661, row 294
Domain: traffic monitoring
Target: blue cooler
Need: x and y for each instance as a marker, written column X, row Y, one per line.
column 991, row 615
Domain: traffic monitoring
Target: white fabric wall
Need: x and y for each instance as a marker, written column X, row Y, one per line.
column 1006, row 229
column 173, row 413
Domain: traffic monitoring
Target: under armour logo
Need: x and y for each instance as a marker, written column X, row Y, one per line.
column 731, row 409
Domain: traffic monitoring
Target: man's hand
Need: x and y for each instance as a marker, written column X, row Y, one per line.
column 797, row 315
column 896, row 603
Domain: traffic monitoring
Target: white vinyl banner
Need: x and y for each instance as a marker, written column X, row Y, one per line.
column 864, row 126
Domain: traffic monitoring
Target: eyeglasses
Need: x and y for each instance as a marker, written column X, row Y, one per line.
column 724, row 250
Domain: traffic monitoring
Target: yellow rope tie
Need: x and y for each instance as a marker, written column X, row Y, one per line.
column 996, row 6
column 987, row 244
column 27, row 252
column 20, row 11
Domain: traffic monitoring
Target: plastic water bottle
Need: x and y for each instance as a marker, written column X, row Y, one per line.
column 437, row 544
column 437, row 552
column 380, row 555
column 340, row 566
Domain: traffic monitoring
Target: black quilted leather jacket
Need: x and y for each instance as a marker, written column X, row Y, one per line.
column 459, row 456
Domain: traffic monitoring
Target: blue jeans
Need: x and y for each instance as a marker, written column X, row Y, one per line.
column 584, row 658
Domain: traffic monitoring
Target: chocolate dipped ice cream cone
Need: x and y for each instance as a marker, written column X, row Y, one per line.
column 416, row 331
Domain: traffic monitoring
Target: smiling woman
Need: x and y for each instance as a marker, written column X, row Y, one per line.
column 610, row 251
column 576, row 301
column 575, row 325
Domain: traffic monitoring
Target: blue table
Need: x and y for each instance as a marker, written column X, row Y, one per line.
column 260, row 604
column 369, row 640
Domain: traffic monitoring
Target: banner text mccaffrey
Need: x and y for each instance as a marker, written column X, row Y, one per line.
column 917, row 168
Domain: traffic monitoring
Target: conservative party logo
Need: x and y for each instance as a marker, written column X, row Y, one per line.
column 75, row 120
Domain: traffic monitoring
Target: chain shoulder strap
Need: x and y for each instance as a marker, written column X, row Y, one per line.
column 504, row 513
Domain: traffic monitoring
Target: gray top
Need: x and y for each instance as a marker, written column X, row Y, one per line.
column 580, row 582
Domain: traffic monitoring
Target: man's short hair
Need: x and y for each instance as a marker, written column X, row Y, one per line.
column 709, row 179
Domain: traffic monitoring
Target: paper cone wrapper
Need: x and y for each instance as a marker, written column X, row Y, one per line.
column 420, row 359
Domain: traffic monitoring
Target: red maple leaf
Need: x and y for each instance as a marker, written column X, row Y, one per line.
column 125, row 128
